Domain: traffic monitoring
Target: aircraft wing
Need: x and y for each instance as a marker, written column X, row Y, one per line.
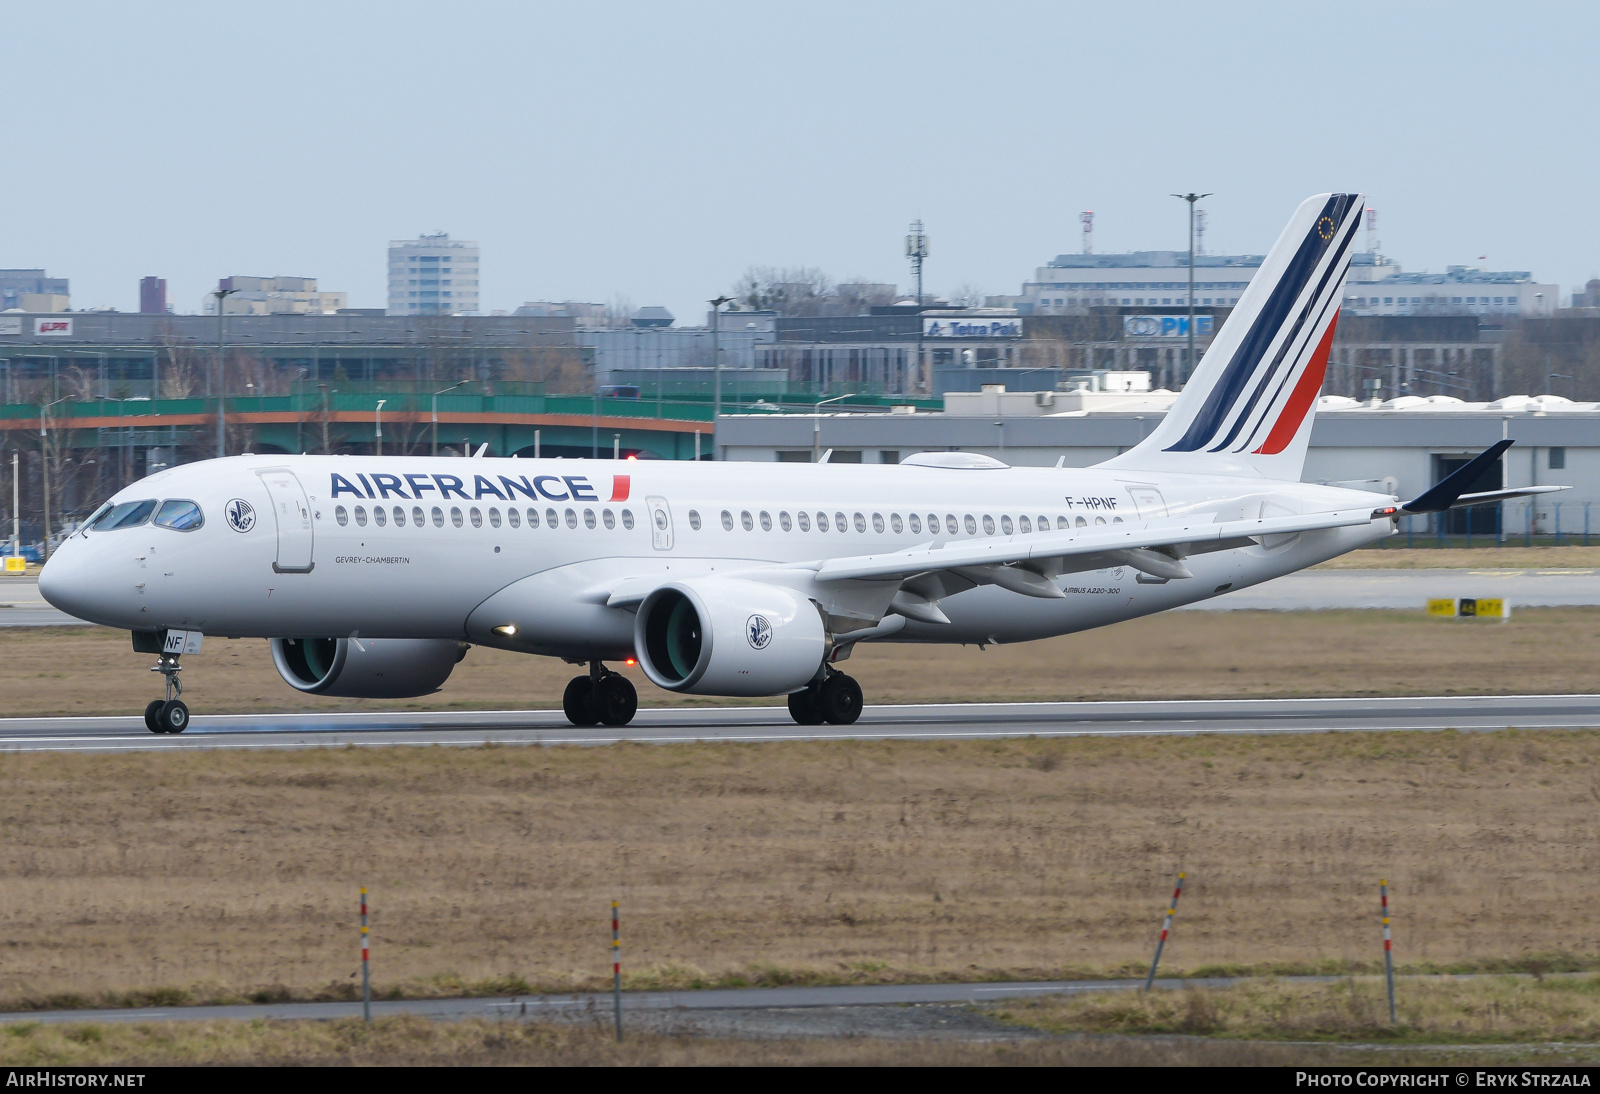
column 1154, row 547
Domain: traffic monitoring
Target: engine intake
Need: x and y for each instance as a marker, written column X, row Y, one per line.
column 371, row 668
column 726, row 636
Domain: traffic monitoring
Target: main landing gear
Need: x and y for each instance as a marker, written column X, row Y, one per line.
column 602, row 696
column 835, row 699
column 169, row 715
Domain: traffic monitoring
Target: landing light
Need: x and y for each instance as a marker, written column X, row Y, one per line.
column 506, row 630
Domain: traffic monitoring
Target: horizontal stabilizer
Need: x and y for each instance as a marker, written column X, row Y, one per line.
column 1444, row 494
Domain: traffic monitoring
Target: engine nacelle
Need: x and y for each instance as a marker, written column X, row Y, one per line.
column 368, row 668
column 724, row 636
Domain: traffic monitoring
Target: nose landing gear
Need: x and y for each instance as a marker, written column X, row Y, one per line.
column 169, row 715
column 602, row 696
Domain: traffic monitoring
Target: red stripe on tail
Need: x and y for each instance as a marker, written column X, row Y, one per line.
column 1300, row 400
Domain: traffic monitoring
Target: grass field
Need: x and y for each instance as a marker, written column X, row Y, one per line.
column 1176, row 655
column 174, row 877
column 1465, row 558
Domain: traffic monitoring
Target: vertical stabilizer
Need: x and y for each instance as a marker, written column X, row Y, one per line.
column 1247, row 409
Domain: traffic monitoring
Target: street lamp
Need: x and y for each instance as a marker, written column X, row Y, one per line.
column 816, row 426
column 716, row 367
column 1191, row 198
column 436, row 395
column 221, row 294
column 44, row 466
column 377, row 420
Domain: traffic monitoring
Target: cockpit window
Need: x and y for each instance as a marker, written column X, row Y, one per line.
column 185, row 516
column 125, row 514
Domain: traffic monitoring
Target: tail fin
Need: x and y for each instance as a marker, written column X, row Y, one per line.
column 1247, row 409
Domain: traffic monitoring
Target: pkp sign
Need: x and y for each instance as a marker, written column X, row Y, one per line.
column 52, row 328
column 1164, row 326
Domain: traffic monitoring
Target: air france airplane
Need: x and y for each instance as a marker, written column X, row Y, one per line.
column 372, row 576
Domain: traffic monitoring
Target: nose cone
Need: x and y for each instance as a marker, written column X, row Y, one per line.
column 72, row 583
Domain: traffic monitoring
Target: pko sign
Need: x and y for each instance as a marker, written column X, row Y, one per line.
column 971, row 328
column 1164, row 326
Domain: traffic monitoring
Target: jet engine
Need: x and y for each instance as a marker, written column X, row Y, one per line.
column 366, row 668
column 726, row 636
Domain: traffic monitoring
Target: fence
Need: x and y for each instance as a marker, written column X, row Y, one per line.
column 1518, row 523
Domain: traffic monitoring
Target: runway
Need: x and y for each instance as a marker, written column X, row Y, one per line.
column 1310, row 590
column 751, row 725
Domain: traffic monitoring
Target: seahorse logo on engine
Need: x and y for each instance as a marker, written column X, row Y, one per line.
column 759, row 632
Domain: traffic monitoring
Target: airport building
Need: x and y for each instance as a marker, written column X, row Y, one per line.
column 433, row 275
column 268, row 296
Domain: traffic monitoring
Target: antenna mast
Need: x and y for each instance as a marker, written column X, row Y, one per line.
column 1086, row 218
column 1372, row 230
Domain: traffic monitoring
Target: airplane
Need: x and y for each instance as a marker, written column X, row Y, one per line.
column 372, row 576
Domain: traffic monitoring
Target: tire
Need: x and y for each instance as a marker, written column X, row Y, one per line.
column 616, row 700
column 803, row 707
column 173, row 717
column 839, row 699
column 578, row 702
column 151, row 712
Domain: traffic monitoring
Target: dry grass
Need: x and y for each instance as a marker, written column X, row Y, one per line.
column 419, row 1042
column 1463, row 558
column 1497, row 1010
column 175, row 877
column 1171, row 656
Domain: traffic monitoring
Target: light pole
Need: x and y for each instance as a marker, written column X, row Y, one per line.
column 436, row 395
column 1191, row 198
column 716, row 368
column 222, row 295
column 16, row 506
column 44, row 468
column 377, row 420
column 816, row 426
column 917, row 251
column 299, row 409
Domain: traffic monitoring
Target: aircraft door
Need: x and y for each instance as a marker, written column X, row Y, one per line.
column 293, row 514
column 1149, row 502
column 660, row 524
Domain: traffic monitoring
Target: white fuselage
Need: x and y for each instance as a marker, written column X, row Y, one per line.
column 484, row 550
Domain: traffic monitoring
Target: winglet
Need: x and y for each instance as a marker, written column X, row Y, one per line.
column 1443, row 494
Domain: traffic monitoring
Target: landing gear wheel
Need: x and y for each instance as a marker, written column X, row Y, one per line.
column 615, row 700
column 803, row 707
column 150, row 714
column 839, row 699
column 578, row 701
column 173, row 716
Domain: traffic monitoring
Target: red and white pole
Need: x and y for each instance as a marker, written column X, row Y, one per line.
column 1166, row 928
column 366, row 979
column 1388, row 947
column 616, row 968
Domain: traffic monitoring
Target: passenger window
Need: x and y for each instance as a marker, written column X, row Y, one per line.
column 861, row 523
column 840, row 523
column 727, row 521
column 1061, row 522
column 1005, row 525
column 572, row 518
column 950, row 524
column 342, row 515
column 694, row 520
column 183, row 516
column 399, row 517
column 627, row 519
column 477, row 517
column 494, row 517
column 933, row 524
column 1044, row 523
column 1116, row 520
column 416, row 515
column 766, row 521
column 916, row 525
column 1099, row 520
column 1024, row 525
column 988, row 524
column 513, row 518
column 609, row 517
column 972, row 525
column 455, row 516
column 746, row 520
column 361, row 516
column 127, row 514
column 588, row 519
column 379, row 517
column 784, row 522
column 894, row 522
column 877, row 522
column 533, row 518
column 822, row 522
column 552, row 519
column 438, row 517
column 805, row 521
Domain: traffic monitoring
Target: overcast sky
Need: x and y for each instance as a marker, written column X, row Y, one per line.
column 659, row 150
